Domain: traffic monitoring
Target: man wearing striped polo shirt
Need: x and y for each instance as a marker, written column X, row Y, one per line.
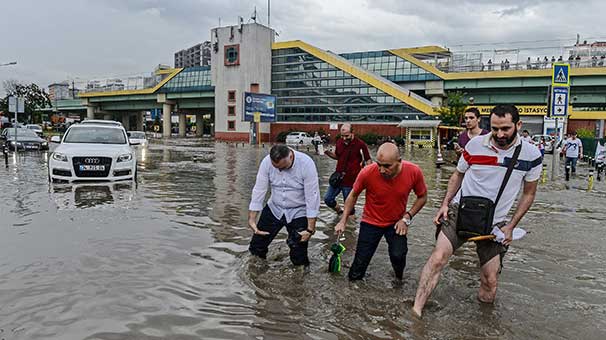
column 480, row 173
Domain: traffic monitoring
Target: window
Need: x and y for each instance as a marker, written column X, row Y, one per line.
column 231, row 125
column 231, row 110
column 232, row 55
column 254, row 88
column 231, row 95
column 420, row 134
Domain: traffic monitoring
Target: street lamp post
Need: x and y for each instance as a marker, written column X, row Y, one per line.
column 8, row 64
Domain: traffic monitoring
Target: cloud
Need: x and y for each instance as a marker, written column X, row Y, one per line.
column 63, row 39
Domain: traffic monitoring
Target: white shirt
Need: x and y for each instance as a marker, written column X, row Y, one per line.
column 527, row 139
column 572, row 147
column 485, row 165
column 295, row 192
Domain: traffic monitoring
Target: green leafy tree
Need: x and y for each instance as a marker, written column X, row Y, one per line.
column 585, row 133
column 452, row 109
column 35, row 98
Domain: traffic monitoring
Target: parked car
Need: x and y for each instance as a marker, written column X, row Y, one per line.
column 26, row 139
column 300, row 138
column 548, row 142
column 137, row 137
column 93, row 152
column 36, row 128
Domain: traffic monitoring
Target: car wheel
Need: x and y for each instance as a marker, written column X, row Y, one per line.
column 301, row 142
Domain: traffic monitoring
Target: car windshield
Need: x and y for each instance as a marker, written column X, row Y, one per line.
column 21, row 133
column 95, row 135
column 137, row 135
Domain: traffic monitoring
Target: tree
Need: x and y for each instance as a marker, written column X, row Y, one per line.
column 452, row 109
column 35, row 97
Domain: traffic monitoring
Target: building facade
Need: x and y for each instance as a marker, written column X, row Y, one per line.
column 197, row 55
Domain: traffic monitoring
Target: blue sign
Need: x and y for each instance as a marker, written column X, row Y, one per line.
column 559, row 102
column 155, row 113
column 561, row 75
column 265, row 104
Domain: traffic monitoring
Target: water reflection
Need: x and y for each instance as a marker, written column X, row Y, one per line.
column 167, row 259
column 89, row 195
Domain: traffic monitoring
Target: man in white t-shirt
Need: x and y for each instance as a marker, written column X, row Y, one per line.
column 526, row 137
column 573, row 149
column 480, row 172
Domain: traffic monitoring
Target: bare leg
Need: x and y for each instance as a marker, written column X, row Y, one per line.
column 489, row 279
column 431, row 272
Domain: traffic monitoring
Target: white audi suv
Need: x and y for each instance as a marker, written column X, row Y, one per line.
column 93, row 152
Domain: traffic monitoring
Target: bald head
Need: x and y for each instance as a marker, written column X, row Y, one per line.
column 388, row 152
column 346, row 128
column 388, row 160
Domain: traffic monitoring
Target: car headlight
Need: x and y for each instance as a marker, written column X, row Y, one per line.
column 125, row 158
column 59, row 157
column 13, row 143
column 44, row 143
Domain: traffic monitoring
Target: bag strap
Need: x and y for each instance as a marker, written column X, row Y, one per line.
column 512, row 163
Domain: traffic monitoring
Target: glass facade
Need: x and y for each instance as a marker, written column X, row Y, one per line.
column 389, row 66
column 309, row 89
column 197, row 78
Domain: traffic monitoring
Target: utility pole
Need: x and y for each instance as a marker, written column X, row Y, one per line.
column 268, row 13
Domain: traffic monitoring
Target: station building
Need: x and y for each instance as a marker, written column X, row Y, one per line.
column 317, row 89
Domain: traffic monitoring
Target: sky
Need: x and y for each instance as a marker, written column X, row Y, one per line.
column 84, row 39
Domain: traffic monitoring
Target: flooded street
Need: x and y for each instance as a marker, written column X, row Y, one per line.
column 167, row 258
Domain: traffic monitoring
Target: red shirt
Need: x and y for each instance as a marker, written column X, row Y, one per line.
column 386, row 199
column 350, row 153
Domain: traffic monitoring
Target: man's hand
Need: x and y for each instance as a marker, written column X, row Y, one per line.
column 305, row 235
column 508, row 231
column 442, row 214
column 401, row 228
column 458, row 149
column 253, row 225
column 340, row 228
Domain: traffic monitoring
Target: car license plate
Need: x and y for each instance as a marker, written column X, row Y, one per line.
column 31, row 146
column 92, row 167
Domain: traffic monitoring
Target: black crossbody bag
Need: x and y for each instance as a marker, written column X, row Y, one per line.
column 337, row 177
column 476, row 214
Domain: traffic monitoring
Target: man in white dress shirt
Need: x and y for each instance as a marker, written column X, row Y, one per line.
column 294, row 202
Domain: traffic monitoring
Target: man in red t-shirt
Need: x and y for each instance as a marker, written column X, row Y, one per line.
column 388, row 183
column 351, row 154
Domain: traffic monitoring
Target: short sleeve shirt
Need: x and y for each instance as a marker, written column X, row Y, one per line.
column 386, row 199
column 485, row 165
column 464, row 137
column 572, row 147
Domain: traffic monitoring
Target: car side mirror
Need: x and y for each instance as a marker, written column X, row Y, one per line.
column 55, row 139
column 133, row 142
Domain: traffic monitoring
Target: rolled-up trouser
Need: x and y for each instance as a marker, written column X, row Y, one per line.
column 259, row 244
column 330, row 198
column 368, row 240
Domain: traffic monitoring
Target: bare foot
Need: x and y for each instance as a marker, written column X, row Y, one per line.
column 417, row 314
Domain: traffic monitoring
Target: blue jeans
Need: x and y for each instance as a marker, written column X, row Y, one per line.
column 330, row 198
column 573, row 163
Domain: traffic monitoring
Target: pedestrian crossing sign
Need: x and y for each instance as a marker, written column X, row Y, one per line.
column 561, row 75
column 559, row 102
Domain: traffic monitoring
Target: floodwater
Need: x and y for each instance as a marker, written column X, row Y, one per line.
column 167, row 259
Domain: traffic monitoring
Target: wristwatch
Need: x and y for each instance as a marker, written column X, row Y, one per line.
column 408, row 222
column 310, row 231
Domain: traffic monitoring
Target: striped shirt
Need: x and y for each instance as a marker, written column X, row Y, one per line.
column 485, row 165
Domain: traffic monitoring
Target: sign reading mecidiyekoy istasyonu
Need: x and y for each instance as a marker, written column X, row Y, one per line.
column 560, row 75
